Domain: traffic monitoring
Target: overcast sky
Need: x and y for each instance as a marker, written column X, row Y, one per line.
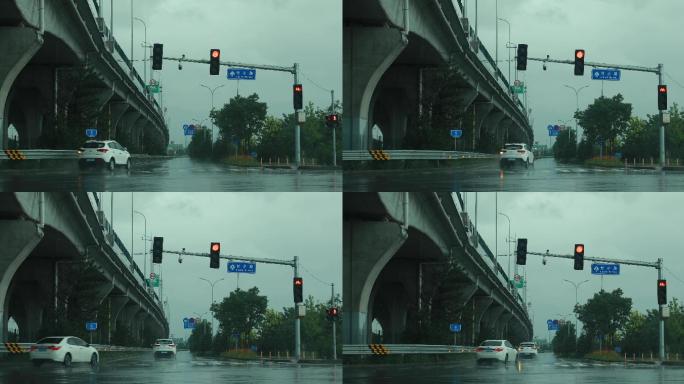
column 633, row 32
column 635, row 226
column 260, row 225
column 271, row 32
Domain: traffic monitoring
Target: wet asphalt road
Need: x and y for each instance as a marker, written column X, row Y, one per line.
column 186, row 369
column 545, row 176
column 544, row 369
column 166, row 174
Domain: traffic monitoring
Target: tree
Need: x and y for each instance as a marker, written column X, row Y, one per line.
column 565, row 147
column 200, row 340
column 200, row 146
column 242, row 311
column 242, row 118
column 605, row 120
column 605, row 314
column 564, row 340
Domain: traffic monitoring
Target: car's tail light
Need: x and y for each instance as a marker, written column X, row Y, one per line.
column 54, row 347
column 103, row 150
column 498, row 349
column 172, row 345
column 479, row 349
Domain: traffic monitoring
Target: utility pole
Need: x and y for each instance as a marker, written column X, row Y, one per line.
column 332, row 305
column 298, row 144
column 576, row 285
column 577, row 91
column 212, row 109
column 334, row 127
column 212, row 299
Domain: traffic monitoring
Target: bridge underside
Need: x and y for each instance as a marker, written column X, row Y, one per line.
column 50, row 286
column 401, row 287
column 409, row 91
column 56, row 85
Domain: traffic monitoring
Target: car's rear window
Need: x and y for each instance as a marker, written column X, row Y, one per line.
column 93, row 145
column 50, row 340
column 527, row 345
column 492, row 343
column 513, row 147
column 165, row 341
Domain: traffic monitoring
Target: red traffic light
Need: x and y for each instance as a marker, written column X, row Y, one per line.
column 662, row 283
column 215, row 53
column 298, row 88
column 579, row 54
column 298, row 281
column 579, row 248
column 333, row 311
column 662, row 89
column 215, row 247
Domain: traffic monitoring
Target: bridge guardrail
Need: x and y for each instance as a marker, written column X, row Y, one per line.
column 38, row 154
column 403, row 349
column 382, row 155
column 19, row 348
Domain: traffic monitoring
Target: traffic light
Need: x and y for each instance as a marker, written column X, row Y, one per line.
column 157, row 56
column 333, row 313
column 521, row 253
column 297, row 286
column 662, row 97
column 662, row 292
column 215, row 62
column 157, row 249
column 214, row 253
column 298, row 97
column 332, row 120
column 579, row 62
column 522, row 57
column 579, row 257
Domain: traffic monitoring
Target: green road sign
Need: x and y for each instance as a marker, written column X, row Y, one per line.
column 153, row 88
column 518, row 89
column 153, row 282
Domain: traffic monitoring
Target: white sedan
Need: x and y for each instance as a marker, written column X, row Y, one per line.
column 108, row 153
column 65, row 350
column 516, row 153
column 528, row 349
column 164, row 347
column 501, row 350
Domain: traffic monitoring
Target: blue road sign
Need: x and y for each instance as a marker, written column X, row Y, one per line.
column 606, row 74
column 188, row 130
column 91, row 326
column 188, row 323
column 241, row 74
column 455, row 327
column 91, row 133
column 241, row 267
column 456, row 133
column 605, row 269
column 553, row 325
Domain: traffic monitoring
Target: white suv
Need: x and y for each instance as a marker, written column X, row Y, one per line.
column 518, row 152
column 164, row 347
column 107, row 152
column 528, row 349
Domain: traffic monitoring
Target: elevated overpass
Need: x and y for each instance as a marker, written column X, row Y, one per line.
column 61, row 71
column 411, row 64
column 56, row 243
column 412, row 265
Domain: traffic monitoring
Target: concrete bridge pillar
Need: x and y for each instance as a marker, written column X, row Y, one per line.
column 18, row 238
column 18, row 46
column 367, row 53
column 139, row 324
column 390, row 307
column 491, row 317
column 116, row 305
column 482, row 111
column 501, row 326
column 27, row 310
column 368, row 247
column 480, row 304
column 126, row 128
column 116, row 111
column 492, row 129
column 97, row 99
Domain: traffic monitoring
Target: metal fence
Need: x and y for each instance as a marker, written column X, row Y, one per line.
column 19, row 348
column 403, row 349
column 382, row 155
column 38, row 154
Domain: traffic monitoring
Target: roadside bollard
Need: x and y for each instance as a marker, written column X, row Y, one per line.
column 269, row 355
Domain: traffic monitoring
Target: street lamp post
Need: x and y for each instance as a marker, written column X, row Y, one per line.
column 509, row 243
column 145, row 246
column 577, row 91
column 212, row 109
column 212, row 298
column 145, row 57
column 576, row 285
column 508, row 48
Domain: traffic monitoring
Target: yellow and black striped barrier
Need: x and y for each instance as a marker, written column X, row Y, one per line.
column 15, row 348
column 378, row 349
column 14, row 154
column 379, row 154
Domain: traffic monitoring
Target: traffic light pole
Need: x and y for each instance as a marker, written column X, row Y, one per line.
column 657, row 70
column 294, row 70
column 294, row 263
column 332, row 305
column 657, row 265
